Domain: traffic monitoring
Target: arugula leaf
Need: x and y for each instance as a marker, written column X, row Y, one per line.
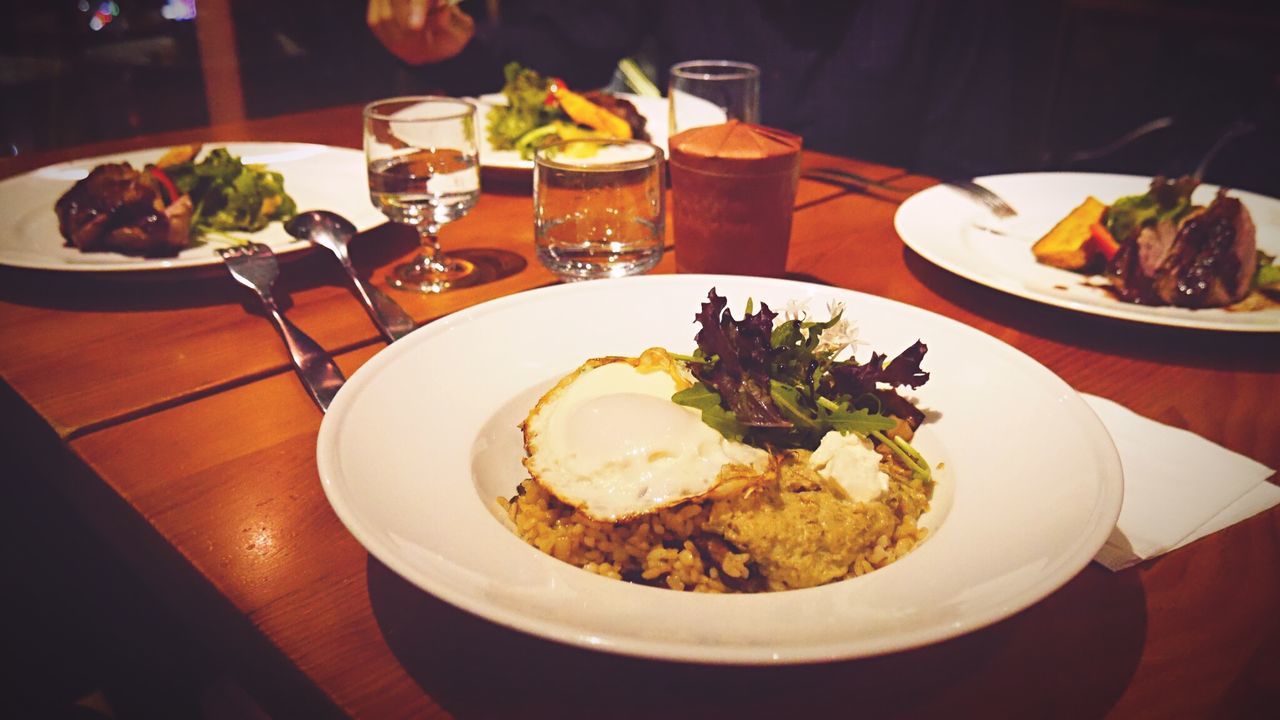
column 700, row 397
column 792, row 405
column 859, row 421
column 908, row 455
column 828, row 415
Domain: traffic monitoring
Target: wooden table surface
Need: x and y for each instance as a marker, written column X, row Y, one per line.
column 169, row 416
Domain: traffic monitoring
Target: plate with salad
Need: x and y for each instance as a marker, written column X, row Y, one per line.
column 1162, row 251
column 535, row 110
column 170, row 208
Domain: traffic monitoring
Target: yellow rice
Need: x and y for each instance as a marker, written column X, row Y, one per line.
column 700, row 545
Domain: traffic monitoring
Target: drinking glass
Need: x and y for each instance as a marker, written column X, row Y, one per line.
column 424, row 171
column 709, row 92
column 598, row 207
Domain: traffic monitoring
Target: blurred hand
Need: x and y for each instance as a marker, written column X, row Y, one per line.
column 420, row 31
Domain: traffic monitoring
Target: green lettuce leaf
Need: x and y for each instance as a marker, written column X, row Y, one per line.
column 229, row 196
column 527, row 108
column 1166, row 200
column 778, row 387
column 702, row 398
column 1268, row 275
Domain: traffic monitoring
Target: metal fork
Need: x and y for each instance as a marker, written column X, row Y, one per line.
column 993, row 202
column 255, row 267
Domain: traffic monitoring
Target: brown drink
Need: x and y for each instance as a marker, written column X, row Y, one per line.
column 733, row 190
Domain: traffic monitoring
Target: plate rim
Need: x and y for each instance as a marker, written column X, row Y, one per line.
column 1103, row 514
column 1118, row 311
column 153, row 265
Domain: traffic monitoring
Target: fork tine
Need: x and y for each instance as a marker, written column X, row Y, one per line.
column 254, row 266
column 993, row 202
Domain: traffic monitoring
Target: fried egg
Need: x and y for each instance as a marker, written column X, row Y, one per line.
column 608, row 440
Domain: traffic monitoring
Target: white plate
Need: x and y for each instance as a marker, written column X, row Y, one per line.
column 318, row 177
column 654, row 110
column 946, row 228
column 422, row 441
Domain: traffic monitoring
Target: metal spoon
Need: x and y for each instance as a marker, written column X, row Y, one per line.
column 332, row 232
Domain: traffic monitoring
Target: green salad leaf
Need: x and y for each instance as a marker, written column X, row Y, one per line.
column 230, row 196
column 702, row 398
column 1166, row 200
column 1268, row 275
column 784, row 386
column 527, row 108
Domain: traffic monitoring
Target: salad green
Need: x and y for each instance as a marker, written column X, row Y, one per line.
column 535, row 115
column 1268, row 273
column 1164, row 201
column 527, row 107
column 784, row 386
column 228, row 196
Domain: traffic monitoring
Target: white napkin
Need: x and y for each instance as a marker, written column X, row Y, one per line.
column 1178, row 486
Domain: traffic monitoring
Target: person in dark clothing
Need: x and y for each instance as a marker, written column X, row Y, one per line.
column 923, row 84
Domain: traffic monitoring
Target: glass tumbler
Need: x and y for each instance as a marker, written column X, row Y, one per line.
column 598, row 207
column 710, row 92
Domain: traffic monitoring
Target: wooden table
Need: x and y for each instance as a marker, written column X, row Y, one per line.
column 169, row 416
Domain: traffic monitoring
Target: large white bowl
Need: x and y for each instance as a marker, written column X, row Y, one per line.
column 422, row 441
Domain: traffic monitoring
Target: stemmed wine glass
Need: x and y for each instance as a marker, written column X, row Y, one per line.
column 424, row 171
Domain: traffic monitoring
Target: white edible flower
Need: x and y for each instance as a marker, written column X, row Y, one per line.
column 835, row 339
column 842, row 335
column 796, row 310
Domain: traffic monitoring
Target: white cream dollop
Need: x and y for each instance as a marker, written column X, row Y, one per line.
column 851, row 462
column 613, row 444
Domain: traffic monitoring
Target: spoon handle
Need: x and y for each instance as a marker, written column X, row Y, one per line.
column 387, row 314
column 392, row 321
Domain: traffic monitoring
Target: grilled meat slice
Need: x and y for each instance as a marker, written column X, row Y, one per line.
column 623, row 109
column 1133, row 269
column 1193, row 257
column 119, row 209
column 1212, row 258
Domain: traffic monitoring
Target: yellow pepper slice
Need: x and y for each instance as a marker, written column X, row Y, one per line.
column 584, row 112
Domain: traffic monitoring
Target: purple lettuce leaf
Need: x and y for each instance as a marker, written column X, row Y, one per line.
column 742, row 350
column 855, row 380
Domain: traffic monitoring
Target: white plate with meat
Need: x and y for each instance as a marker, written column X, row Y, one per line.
column 952, row 231
column 315, row 176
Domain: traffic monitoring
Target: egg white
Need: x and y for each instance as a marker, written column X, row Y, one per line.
column 608, row 440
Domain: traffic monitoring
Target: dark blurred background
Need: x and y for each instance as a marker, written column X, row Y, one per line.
column 1081, row 75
